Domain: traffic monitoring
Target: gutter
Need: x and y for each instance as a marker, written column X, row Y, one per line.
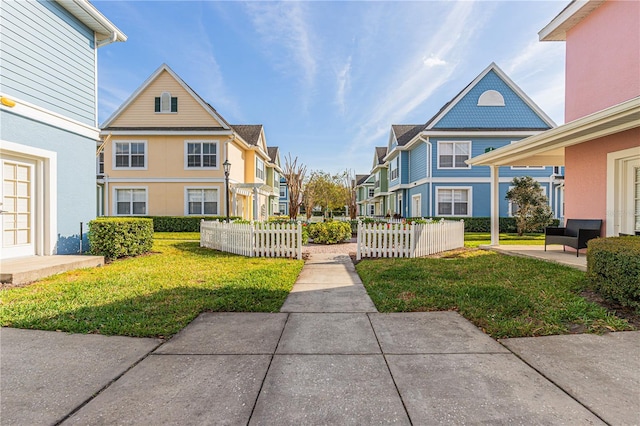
column 113, row 37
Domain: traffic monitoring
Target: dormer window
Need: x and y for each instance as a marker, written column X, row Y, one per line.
column 165, row 103
column 491, row 98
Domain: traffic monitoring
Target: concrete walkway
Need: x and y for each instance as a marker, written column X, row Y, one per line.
column 327, row 358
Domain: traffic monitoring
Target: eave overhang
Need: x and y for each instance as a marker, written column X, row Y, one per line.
column 547, row 148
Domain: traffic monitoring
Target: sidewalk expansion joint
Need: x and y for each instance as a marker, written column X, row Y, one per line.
column 558, row 386
column 105, row 387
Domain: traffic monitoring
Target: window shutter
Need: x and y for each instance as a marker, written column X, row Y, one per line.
column 174, row 104
column 157, row 104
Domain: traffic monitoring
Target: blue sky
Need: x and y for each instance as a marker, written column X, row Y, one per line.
column 328, row 79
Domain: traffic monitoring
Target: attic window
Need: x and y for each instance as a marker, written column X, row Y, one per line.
column 491, row 98
column 166, row 103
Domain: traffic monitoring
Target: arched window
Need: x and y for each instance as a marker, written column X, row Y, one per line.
column 491, row 98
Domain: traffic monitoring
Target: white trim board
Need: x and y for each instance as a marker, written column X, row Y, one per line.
column 42, row 115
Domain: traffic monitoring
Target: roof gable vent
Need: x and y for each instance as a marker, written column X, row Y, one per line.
column 491, row 98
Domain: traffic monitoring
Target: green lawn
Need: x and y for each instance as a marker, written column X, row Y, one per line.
column 475, row 239
column 153, row 295
column 505, row 296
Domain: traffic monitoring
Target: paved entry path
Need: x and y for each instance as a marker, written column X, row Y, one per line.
column 328, row 358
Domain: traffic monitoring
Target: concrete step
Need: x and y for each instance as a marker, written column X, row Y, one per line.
column 26, row 270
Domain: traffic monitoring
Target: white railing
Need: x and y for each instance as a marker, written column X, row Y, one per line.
column 253, row 239
column 408, row 239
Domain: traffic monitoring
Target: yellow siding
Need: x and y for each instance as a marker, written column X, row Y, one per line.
column 166, row 198
column 250, row 167
column 141, row 112
column 236, row 158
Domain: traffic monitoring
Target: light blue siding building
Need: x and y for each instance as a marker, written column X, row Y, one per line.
column 427, row 170
column 48, row 116
column 283, row 200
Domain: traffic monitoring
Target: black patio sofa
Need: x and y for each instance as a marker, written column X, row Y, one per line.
column 575, row 234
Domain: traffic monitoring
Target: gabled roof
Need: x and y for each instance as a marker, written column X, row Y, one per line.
column 274, row 154
column 381, row 152
column 87, row 13
column 151, row 79
column 360, row 179
column 249, row 132
column 406, row 132
column 514, row 87
column 576, row 11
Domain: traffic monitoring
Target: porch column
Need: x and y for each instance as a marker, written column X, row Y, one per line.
column 255, row 203
column 495, row 205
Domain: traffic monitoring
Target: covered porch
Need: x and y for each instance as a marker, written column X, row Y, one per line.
column 549, row 149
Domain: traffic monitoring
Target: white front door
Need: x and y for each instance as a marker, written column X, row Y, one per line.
column 631, row 198
column 17, row 237
column 416, row 208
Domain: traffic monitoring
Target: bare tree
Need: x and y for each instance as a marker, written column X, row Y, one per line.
column 294, row 174
column 350, row 193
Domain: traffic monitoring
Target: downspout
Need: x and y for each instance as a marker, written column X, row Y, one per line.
column 429, row 163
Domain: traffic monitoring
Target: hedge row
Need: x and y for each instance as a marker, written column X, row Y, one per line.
column 115, row 237
column 181, row 223
column 331, row 232
column 613, row 269
column 476, row 224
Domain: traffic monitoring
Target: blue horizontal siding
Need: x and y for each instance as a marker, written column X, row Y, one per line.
column 48, row 58
column 404, row 166
column 478, row 146
column 418, row 162
column 467, row 114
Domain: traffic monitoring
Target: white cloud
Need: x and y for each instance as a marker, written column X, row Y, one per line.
column 421, row 74
column 343, row 77
column 284, row 24
column 432, row 61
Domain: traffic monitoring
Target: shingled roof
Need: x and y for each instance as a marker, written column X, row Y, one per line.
column 381, row 152
column 249, row 132
column 360, row 179
column 273, row 153
column 406, row 132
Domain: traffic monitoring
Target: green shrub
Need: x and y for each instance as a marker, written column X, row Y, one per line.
column 114, row 237
column 331, row 232
column 483, row 224
column 181, row 223
column 613, row 269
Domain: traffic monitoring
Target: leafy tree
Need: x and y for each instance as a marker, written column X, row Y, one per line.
column 323, row 190
column 294, row 175
column 532, row 211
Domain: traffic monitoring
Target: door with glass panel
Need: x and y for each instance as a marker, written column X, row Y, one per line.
column 17, row 195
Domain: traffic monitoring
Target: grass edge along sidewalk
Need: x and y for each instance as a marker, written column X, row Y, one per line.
column 505, row 296
column 153, row 295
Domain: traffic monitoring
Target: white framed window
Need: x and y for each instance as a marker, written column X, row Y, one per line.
column 452, row 155
column 100, row 165
column 372, row 209
column 130, row 155
column 416, row 205
column 201, row 155
column 130, row 201
column 400, row 212
column 165, row 103
column 201, row 201
column 394, row 166
column 454, row 201
column 283, row 190
column 282, row 207
column 372, row 192
column 259, row 168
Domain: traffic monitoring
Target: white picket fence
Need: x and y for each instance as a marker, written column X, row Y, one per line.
column 408, row 239
column 253, row 239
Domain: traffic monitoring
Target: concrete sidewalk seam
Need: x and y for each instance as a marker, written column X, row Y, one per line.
column 557, row 385
column 393, row 379
column 255, row 403
column 105, row 387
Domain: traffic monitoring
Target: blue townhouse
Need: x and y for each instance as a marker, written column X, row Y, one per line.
column 427, row 170
column 283, row 200
column 49, row 132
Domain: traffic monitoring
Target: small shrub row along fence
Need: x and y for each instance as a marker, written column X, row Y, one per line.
column 408, row 239
column 253, row 239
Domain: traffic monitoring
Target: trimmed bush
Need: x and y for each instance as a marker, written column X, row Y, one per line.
column 115, row 237
column 331, row 232
column 483, row 224
column 613, row 269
